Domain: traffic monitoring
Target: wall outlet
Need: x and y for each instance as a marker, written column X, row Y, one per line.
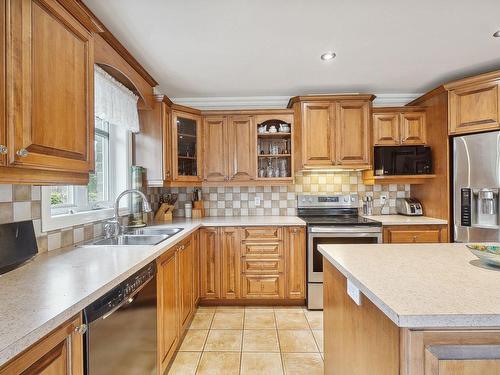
column 383, row 198
column 257, row 201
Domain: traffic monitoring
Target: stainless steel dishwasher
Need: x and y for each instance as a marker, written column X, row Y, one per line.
column 121, row 328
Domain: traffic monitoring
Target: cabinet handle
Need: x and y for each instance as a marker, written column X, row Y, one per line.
column 3, row 150
column 22, row 152
column 167, row 174
column 415, row 238
column 81, row 329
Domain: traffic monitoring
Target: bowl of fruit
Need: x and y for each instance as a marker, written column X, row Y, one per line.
column 487, row 253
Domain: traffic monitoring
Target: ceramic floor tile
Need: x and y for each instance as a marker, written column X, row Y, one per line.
column 303, row 364
column 224, row 340
column 228, row 320
column 318, row 336
column 201, row 321
column 194, row 341
column 219, row 363
column 259, row 319
column 297, row 341
column 260, row 340
column 261, row 363
column 266, row 308
column 315, row 319
column 294, row 319
column 185, row 363
column 230, row 308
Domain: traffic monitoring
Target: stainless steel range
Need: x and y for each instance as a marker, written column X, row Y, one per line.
column 331, row 219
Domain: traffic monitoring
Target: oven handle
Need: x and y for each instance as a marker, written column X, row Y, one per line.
column 351, row 229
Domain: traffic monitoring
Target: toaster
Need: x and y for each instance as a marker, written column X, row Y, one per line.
column 409, row 207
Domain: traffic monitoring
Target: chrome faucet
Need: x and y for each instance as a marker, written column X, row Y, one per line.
column 112, row 227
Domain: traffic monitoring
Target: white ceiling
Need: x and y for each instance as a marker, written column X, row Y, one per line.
column 232, row 48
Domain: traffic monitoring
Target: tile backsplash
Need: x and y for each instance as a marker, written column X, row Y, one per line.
column 22, row 202
column 282, row 200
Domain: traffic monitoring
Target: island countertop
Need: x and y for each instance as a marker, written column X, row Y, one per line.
column 422, row 285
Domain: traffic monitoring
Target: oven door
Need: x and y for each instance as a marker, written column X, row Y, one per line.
column 318, row 235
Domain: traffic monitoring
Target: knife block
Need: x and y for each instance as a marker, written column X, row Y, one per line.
column 198, row 210
column 164, row 213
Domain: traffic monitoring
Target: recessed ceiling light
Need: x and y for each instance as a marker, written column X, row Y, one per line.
column 497, row 34
column 328, row 56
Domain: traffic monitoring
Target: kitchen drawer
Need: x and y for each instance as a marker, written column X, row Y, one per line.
column 262, row 286
column 262, row 266
column 261, row 233
column 268, row 249
column 415, row 234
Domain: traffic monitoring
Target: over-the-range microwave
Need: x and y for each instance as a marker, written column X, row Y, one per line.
column 402, row 160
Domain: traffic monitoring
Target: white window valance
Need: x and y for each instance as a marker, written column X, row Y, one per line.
column 113, row 102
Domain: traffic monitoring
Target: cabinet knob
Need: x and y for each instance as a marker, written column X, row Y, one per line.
column 3, row 150
column 415, row 238
column 167, row 174
column 22, row 152
column 81, row 329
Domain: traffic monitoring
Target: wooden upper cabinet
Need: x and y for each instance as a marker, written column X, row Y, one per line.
column 59, row 353
column 474, row 107
column 153, row 149
column 168, row 307
column 386, row 129
column 353, row 133
column 215, row 149
column 210, row 267
column 187, row 146
column 335, row 131
column 50, row 70
column 3, row 130
column 241, row 141
column 394, row 126
column 413, row 128
column 317, row 134
column 230, row 249
column 295, row 255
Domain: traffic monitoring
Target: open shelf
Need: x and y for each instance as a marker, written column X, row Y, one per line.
column 274, row 155
column 370, row 179
column 274, row 135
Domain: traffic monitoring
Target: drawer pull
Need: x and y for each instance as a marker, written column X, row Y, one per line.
column 3, row 150
column 22, row 152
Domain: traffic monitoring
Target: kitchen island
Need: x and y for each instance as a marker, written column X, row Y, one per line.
column 410, row 309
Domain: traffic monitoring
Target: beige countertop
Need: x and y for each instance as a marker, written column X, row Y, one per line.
column 42, row 294
column 406, row 220
column 422, row 285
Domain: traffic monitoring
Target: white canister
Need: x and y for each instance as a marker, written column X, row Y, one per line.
column 188, row 209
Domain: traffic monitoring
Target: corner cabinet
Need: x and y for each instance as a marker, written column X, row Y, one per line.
column 394, row 126
column 170, row 144
column 59, row 353
column 49, row 70
column 333, row 131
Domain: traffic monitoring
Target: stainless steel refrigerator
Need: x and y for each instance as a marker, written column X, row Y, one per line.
column 476, row 179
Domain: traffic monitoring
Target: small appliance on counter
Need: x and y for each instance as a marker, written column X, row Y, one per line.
column 409, row 207
column 402, row 160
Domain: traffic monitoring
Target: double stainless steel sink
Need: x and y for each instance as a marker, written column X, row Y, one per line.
column 140, row 236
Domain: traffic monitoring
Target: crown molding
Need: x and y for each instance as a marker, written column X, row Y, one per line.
column 276, row 102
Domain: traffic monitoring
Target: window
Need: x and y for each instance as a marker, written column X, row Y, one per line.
column 64, row 206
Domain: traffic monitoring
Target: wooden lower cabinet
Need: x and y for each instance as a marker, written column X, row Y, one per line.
column 59, row 353
column 210, row 268
column 295, row 257
column 176, row 288
column 262, row 286
column 168, row 308
column 230, row 257
column 362, row 340
column 253, row 263
column 186, row 281
column 415, row 234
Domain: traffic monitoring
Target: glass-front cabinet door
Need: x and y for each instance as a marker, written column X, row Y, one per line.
column 186, row 146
